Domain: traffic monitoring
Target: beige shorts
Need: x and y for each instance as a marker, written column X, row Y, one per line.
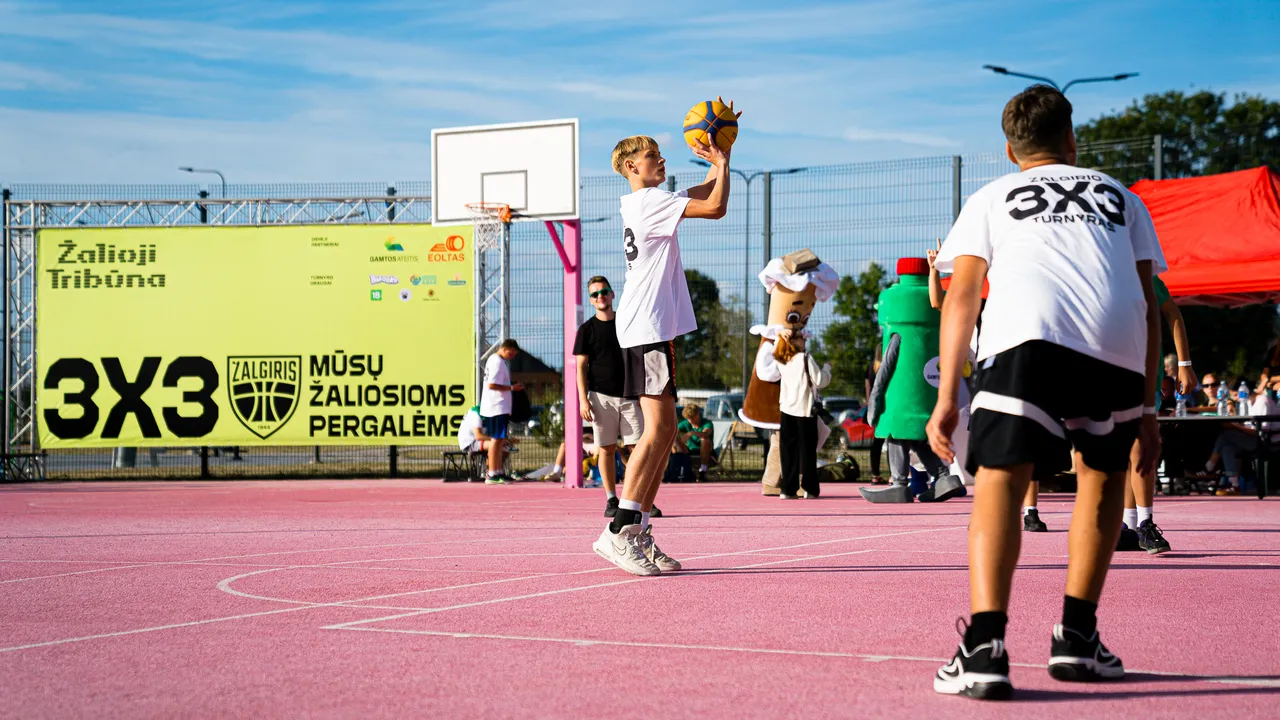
column 615, row 417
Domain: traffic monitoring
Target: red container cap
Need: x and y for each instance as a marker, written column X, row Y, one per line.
column 913, row 266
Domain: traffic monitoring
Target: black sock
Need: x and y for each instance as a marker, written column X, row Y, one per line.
column 624, row 518
column 1080, row 615
column 985, row 627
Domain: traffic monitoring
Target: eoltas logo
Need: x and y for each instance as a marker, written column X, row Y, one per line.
column 422, row 279
column 448, row 251
column 264, row 391
column 384, row 280
column 391, row 245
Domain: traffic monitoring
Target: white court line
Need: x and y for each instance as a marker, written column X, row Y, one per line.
column 585, row 642
column 225, row 585
column 348, row 603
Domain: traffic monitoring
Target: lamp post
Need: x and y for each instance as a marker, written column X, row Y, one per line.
column 209, row 171
column 1109, row 78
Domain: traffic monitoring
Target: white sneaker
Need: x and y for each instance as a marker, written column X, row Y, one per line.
column 625, row 551
column 665, row 562
column 785, row 496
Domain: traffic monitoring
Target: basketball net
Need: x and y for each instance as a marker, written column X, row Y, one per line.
column 491, row 220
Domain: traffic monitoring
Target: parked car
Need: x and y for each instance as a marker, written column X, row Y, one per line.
column 726, row 407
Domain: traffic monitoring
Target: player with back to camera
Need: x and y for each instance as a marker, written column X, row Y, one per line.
column 1069, row 254
column 655, row 308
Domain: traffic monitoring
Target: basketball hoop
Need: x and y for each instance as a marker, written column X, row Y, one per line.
column 491, row 221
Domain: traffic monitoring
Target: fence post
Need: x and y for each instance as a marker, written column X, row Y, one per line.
column 391, row 204
column 8, row 409
column 204, row 463
column 392, row 456
column 766, row 233
column 671, row 183
column 1157, row 142
column 957, row 185
column 204, row 209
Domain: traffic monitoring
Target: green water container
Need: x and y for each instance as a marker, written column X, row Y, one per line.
column 905, row 311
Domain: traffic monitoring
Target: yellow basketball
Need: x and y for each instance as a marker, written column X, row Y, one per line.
column 711, row 120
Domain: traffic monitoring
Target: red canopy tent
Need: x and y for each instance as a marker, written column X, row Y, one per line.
column 1220, row 235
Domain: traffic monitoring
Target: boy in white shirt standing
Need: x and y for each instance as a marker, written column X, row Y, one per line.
column 1069, row 254
column 654, row 310
column 495, row 407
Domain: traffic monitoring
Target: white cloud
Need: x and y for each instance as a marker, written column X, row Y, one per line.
column 24, row 77
column 906, row 137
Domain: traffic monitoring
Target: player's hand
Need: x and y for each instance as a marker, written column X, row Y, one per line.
column 1148, row 445
column 585, row 409
column 517, row 387
column 932, row 254
column 1187, row 377
column 943, row 422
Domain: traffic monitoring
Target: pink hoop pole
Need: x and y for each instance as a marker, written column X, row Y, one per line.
column 571, row 256
column 555, row 239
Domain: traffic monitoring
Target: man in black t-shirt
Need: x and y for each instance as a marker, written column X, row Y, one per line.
column 600, row 388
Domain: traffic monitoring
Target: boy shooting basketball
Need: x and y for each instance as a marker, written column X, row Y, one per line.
column 1069, row 254
column 654, row 310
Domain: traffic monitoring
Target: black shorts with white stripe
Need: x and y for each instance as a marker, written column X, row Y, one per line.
column 649, row 370
column 1034, row 402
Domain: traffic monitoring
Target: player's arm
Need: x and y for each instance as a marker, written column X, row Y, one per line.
column 1178, row 327
column 936, row 293
column 703, row 190
column 1149, row 434
column 716, row 201
column 584, row 405
column 959, row 317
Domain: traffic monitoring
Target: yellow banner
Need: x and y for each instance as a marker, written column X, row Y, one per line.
column 293, row 335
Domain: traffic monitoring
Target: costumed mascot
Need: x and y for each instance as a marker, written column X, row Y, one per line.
column 906, row 387
column 795, row 283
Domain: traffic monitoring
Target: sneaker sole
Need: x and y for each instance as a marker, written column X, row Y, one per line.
column 1158, row 549
column 610, row 557
column 1069, row 669
column 978, row 687
column 1035, row 529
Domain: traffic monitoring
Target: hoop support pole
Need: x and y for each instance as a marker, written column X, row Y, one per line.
column 555, row 239
column 571, row 256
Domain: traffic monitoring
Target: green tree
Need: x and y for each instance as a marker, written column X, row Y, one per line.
column 1202, row 134
column 849, row 343
column 711, row 356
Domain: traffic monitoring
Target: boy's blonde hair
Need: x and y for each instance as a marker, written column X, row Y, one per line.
column 627, row 147
column 690, row 410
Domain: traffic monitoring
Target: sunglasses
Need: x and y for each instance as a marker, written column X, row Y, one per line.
column 600, row 293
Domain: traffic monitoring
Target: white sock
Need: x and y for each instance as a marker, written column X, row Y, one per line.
column 702, row 469
column 494, row 473
column 1028, row 508
column 555, row 469
column 1209, row 466
column 609, row 495
column 644, row 521
column 1131, row 518
column 1144, row 514
column 629, row 505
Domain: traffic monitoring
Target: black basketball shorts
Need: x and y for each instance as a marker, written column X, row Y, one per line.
column 1035, row 402
column 649, row 370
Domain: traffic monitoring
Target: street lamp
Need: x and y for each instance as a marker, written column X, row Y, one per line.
column 746, row 261
column 208, row 171
column 1109, row 78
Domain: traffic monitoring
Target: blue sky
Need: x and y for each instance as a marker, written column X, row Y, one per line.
column 302, row 91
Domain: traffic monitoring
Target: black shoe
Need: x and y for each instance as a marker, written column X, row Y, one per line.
column 611, row 507
column 655, row 512
column 1031, row 522
column 702, row 476
column 1075, row 658
column 981, row 673
column 1151, row 539
column 1128, row 540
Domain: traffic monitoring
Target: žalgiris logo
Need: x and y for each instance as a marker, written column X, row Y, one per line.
column 103, row 265
column 264, row 391
column 448, row 251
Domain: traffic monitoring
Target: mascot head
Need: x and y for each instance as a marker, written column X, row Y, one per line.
column 795, row 283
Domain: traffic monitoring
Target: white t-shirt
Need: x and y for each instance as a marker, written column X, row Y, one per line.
column 1060, row 244
column 495, row 402
column 655, row 304
column 1263, row 405
column 467, row 430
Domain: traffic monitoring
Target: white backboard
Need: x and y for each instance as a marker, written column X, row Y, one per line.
column 533, row 167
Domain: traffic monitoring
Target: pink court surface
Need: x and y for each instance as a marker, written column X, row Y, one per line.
column 417, row 599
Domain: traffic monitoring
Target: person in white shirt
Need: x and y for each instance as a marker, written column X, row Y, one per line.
column 1069, row 254
column 654, row 309
column 1237, row 438
column 495, row 407
column 471, row 435
column 801, row 379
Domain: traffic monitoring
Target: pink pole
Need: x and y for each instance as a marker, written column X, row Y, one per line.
column 571, row 256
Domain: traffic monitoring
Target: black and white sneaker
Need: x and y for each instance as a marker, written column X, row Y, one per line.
column 981, row 673
column 1031, row 522
column 1075, row 658
column 611, row 507
column 1151, row 539
column 1128, row 541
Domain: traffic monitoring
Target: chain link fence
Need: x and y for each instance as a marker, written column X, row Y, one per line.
column 851, row 215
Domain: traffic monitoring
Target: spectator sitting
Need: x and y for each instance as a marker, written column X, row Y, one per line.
column 694, row 437
column 1171, row 365
column 471, row 435
column 1237, row 438
column 1205, row 401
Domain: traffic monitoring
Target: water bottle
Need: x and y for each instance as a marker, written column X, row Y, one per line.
column 1243, row 395
column 1180, row 410
column 1222, row 399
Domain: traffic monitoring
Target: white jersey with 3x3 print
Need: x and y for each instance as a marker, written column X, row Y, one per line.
column 655, row 304
column 1061, row 243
